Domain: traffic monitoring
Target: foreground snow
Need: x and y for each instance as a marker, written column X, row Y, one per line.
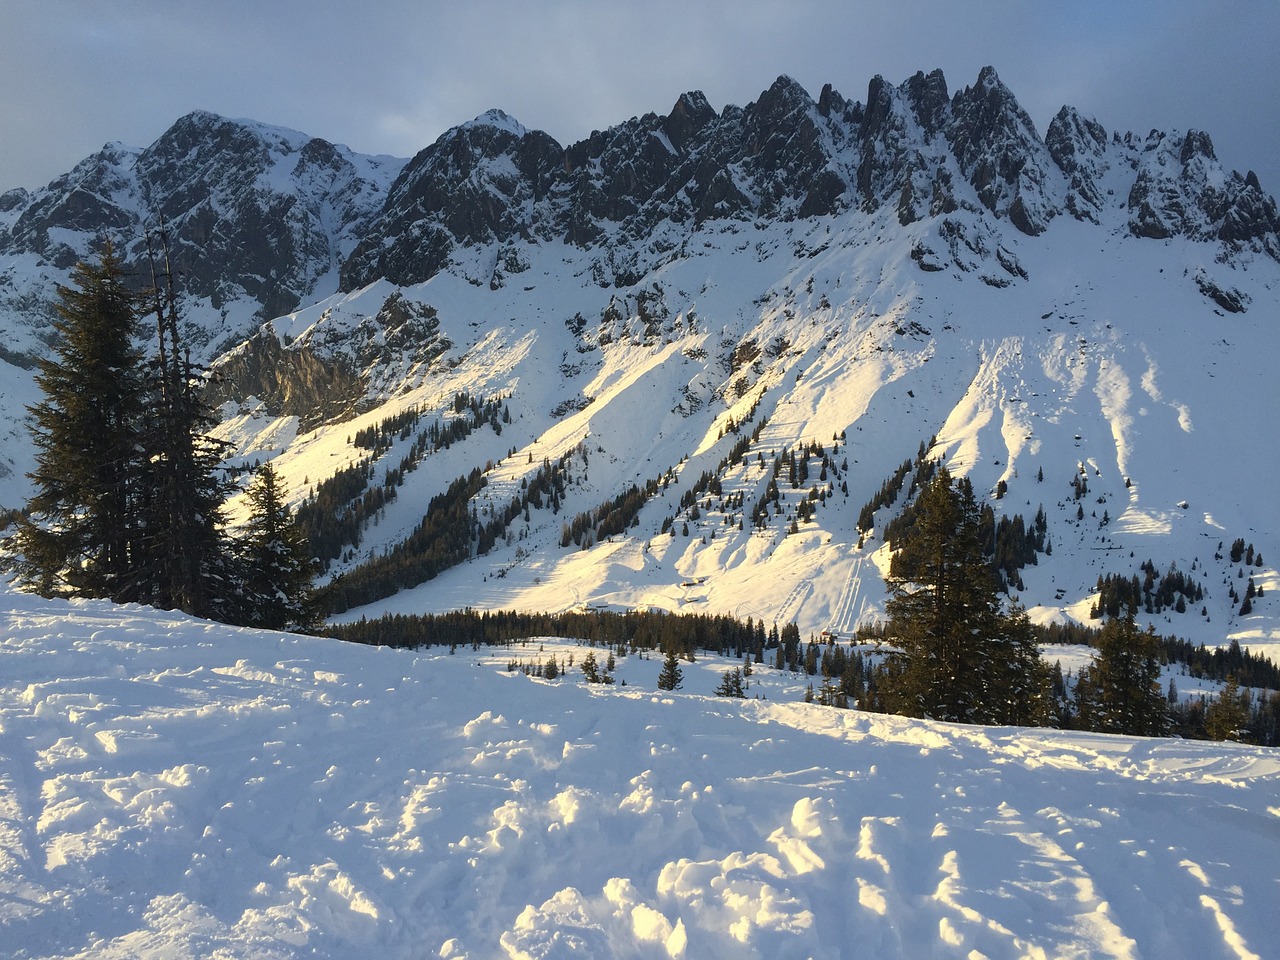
column 172, row 788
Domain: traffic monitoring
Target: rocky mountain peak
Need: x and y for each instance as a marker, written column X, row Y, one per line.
column 470, row 187
column 785, row 150
column 1180, row 189
column 784, row 96
column 59, row 222
column 257, row 216
column 929, row 100
column 499, row 120
column 1078, row 145
column 880, row 99
column 690, row 114
column 832, row 103
column 1002, row 155
column 1196, row 144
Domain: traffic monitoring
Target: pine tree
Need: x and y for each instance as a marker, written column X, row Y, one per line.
column 1121, row 692
column 671, row 677
column 1228, row 715
column 957, row 657
column 81, row 530
column 1019, row 688
column 731, row 685
column 276, row 565
column 188, row 564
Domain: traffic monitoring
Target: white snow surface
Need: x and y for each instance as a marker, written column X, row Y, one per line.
column 175, row 788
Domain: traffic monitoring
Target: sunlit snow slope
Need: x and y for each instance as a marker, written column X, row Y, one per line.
column 170, row 787
column 1097, row 366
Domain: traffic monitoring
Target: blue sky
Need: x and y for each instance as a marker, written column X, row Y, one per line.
column 390, row 76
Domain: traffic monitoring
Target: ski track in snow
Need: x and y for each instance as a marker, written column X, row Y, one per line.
column 175, row 788
column 853, row 606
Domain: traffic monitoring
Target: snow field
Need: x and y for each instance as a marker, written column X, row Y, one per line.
column 175, row 788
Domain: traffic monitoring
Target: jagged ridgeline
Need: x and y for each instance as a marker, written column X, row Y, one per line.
column 265, row 219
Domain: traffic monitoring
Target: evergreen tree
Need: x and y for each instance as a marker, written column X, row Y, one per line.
column 731, row 685
column 1020, row 688
column 81, row 530
column 188, row 563
column 671, row 677
column 958, row 658
column 276, row 565
column 1227, row 717
column 1121, row 692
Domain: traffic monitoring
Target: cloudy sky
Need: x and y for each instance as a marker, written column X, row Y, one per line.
column 388, row 76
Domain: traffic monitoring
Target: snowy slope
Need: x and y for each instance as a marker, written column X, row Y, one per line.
column 170, row 787
column 1107, row 359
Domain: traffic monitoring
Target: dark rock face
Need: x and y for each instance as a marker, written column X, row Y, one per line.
column 95, row 197
column 13, row 199
column 231, row 225
column 290, row 382
column 400, row 329
column 1232, row 301
column 783, row 152
column 324, row 380
column 1249, row 217
column 1078, row 146
column 1000, row 153
column 929, row 101
column 1180, row 190
column 469, row 187
column 690, row 115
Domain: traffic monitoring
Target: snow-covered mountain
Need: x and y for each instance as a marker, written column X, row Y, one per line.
column 1084, row 321
column 175, row 788
column 259, row 219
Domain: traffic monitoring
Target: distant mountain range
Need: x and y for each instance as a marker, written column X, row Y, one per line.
column 702, row 294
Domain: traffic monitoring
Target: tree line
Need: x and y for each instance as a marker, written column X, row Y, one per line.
column 634, row 629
